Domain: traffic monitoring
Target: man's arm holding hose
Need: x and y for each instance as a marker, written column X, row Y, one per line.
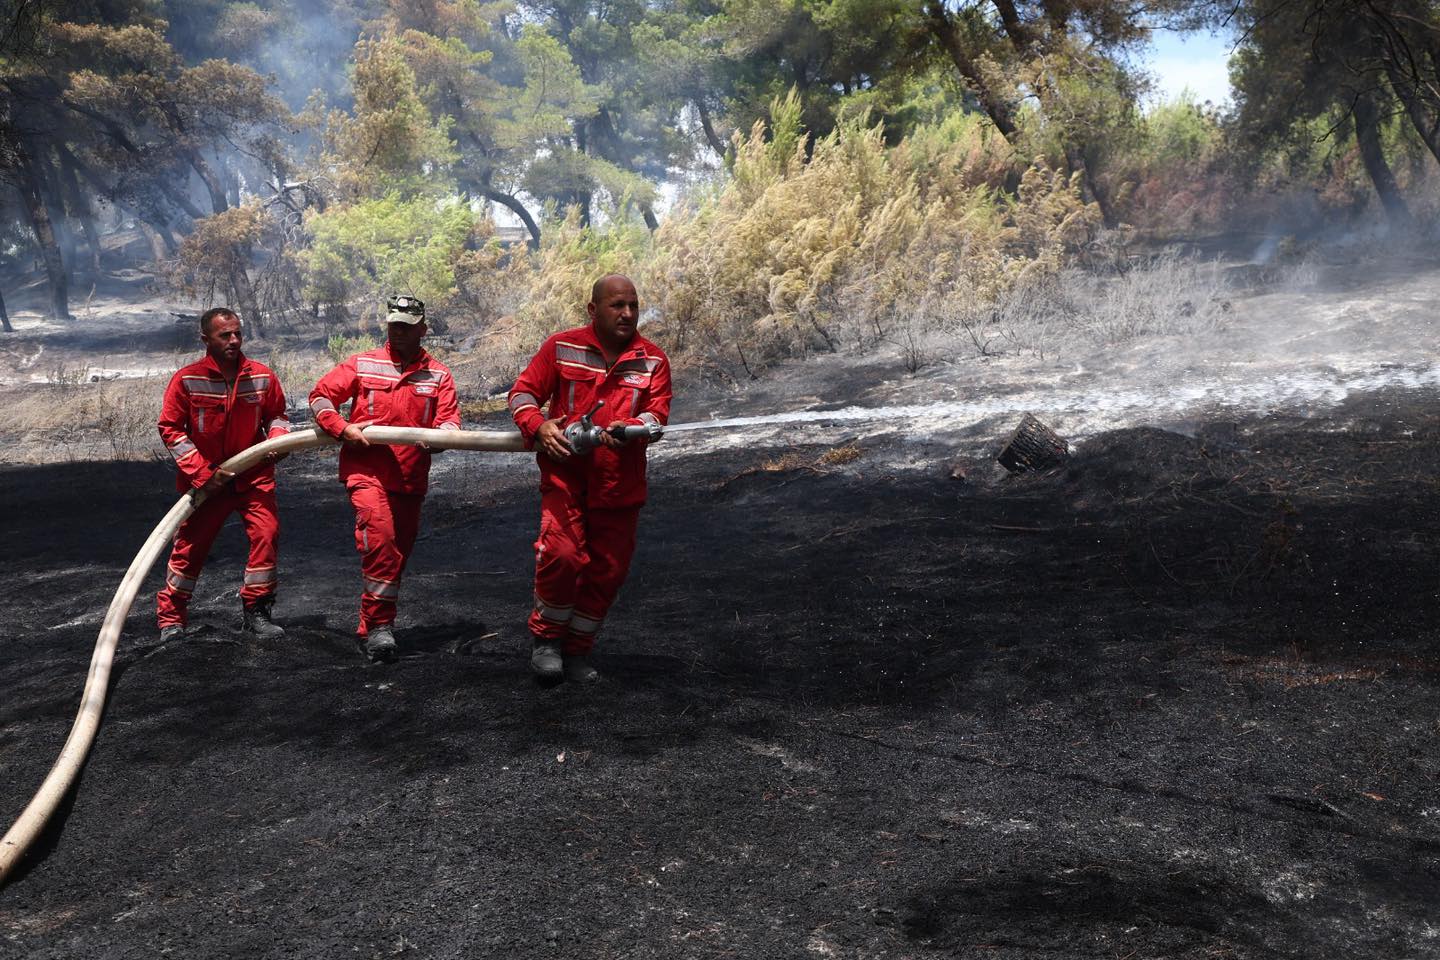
column 532, row 388
column 333, row 389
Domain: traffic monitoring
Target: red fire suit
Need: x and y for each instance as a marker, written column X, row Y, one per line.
column 204, row 421
column 589, row 503
column 386, row 484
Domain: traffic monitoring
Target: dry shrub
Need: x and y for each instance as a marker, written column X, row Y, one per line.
column 114, row 420
column 857, row 243
column 571, row 258
column 837, row 456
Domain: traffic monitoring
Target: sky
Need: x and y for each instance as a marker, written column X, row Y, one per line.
column 1195, row 60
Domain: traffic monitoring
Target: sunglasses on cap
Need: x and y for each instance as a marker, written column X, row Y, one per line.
column 405, row 305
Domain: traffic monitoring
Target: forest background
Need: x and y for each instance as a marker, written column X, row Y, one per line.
column 779, row 177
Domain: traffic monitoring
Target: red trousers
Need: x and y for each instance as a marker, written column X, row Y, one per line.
column 581, row 559
column 385, row 527
column 197, row 534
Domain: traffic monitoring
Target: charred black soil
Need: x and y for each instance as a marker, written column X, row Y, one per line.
column 1176, row 699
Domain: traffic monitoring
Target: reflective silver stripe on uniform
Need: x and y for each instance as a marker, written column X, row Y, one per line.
column 449, row 426
column 429, row 410
column 382, row 589
column 579, row 623
column 634, row 400
column 377, row 368
column 258, row 575
column 319, row 405
column 204, row 386
column 178, row 582
column 638, row 365
column 279, row 423
column 252, row 385
column 570, row 404
column 578, row 355
column 522, row 400
column 551, row 612
column 182, row 448
column 200, row 419
column 650, row 418
column 426, row 376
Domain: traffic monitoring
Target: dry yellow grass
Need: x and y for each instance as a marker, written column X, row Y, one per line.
column 85, row 421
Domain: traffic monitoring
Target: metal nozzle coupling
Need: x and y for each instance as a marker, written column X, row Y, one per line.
column 583, row 435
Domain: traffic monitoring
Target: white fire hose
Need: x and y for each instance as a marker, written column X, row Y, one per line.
column 92, row 702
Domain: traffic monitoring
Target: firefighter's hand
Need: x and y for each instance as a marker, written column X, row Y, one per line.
column 608, row 439
column 217, row 482
column 276, row 457
column 354, row 435
column 550, row 438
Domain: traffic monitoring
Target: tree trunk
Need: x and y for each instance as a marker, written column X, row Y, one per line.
column 944, row 29
column 40, row 222
column 1424, row 117
column 213, row 186
column 1090, row 190
column 708, row 127
column 157, row 245
column 1015, row 29
column 231, row 176
column 244, row 292
column 80, row 209
column 4, row 316
column 517, row 208
column 1367, row 134
column 49, row 182
column 652, row 223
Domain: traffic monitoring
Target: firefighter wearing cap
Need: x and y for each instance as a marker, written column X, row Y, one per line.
column 400, row 385
column 212, row 410
column 589, row 504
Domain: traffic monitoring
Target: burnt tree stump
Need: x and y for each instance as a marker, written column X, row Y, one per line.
column 1033, row 446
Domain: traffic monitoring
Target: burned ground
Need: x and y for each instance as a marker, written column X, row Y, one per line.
column 1178, row 698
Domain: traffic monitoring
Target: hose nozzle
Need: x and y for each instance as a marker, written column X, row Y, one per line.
column 583, row 435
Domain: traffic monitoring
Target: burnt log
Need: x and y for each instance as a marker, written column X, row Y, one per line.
column 1033, row 446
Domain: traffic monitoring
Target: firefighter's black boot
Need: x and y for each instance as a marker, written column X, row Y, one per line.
column 579, row 669
column 258, row 622
column 380, row 644
column 545, row 660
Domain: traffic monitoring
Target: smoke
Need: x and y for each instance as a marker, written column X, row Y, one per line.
column 1302, row 344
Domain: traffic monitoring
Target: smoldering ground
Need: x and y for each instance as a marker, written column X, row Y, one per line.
column 1177, row 698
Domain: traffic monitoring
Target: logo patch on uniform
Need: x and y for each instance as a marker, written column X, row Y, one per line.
column 424, row 390
column 251, row 397
column 634, row 380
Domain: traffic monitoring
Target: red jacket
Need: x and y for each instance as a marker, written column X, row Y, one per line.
column 205, row 421
column 420, row 395
column 569, row 374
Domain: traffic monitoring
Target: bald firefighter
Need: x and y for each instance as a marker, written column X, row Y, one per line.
column 398, row 384
column 589, row 501
column 214, row 409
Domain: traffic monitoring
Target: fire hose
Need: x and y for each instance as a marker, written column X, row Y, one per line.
column 582, row 436
column 92, row 701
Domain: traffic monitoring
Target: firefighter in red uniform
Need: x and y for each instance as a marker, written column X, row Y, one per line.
column 213, row 410
column 397, row 385
column 589, row 503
